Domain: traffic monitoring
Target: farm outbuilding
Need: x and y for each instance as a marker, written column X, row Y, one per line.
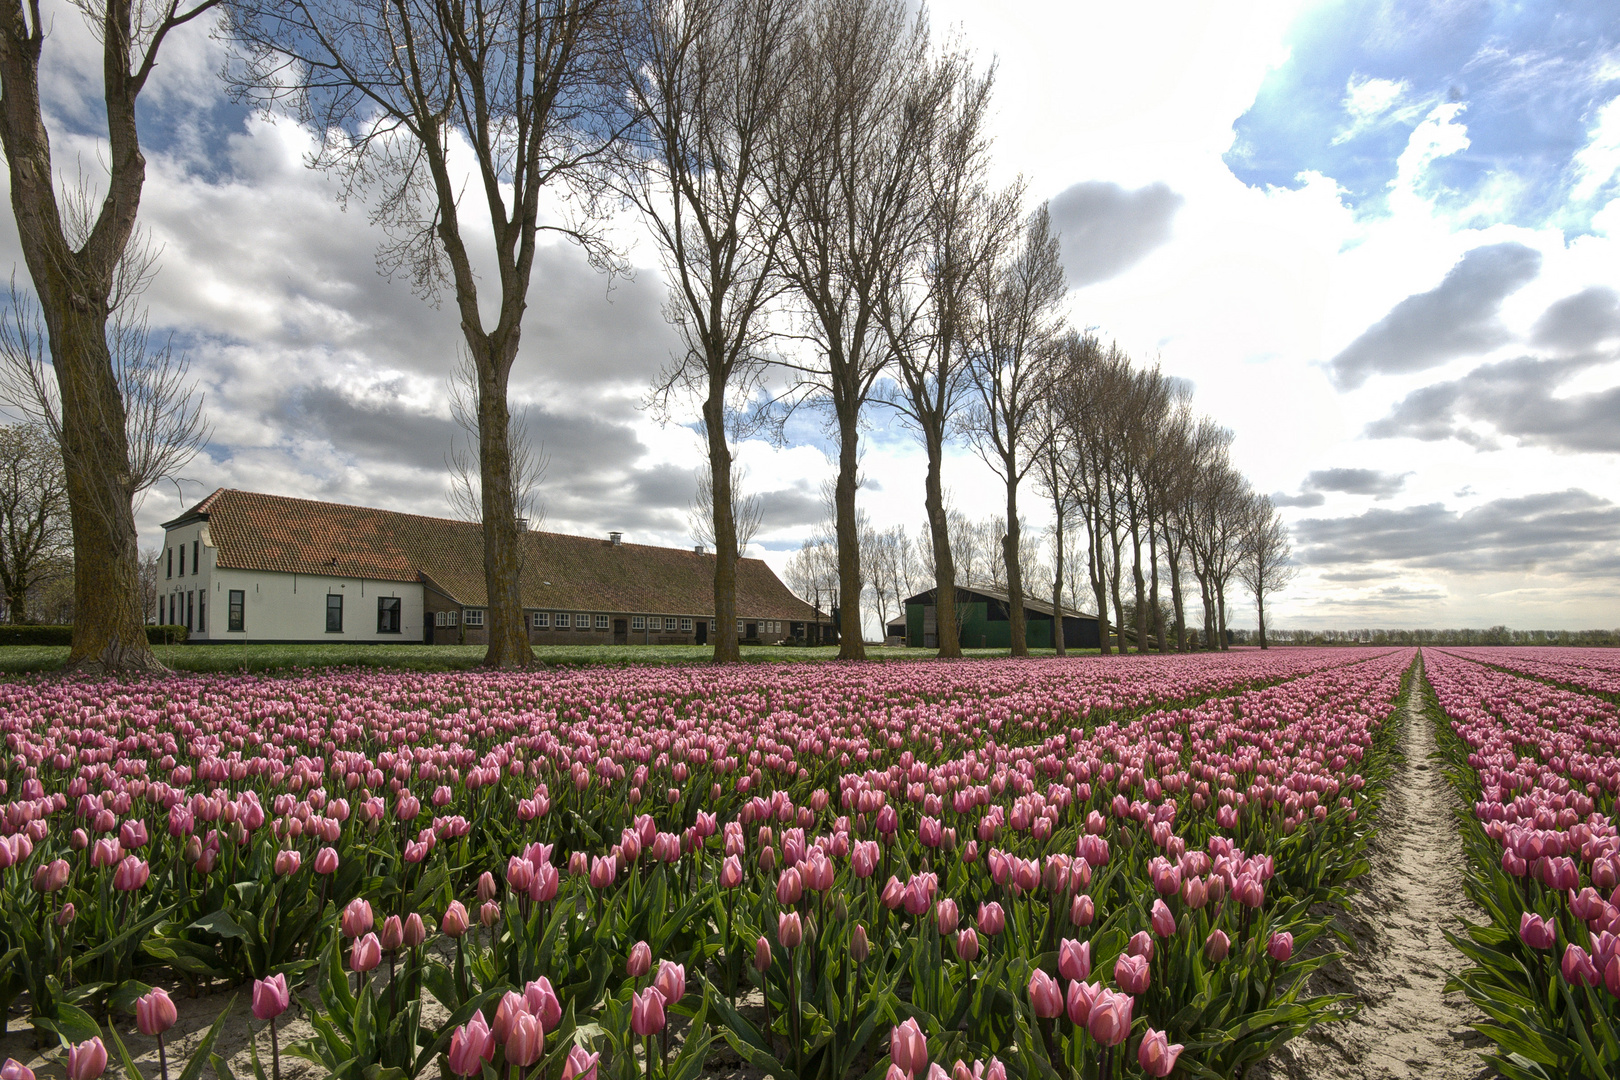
column 983, row 617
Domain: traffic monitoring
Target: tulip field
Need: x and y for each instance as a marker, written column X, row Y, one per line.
column 1540, row 767
column 1053, row 869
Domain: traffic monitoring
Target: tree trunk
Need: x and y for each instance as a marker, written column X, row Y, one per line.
column 1015, row 575
column 503, row 542
column 1220, row 614
column 850, row 643
column 725, row 525
column 1099, row 577
column 1176, row 598
column 946, row 632
column 72, row 286
column 1140, row 584
column 1160, row 637
column 1057, row 581
column 1260, row 606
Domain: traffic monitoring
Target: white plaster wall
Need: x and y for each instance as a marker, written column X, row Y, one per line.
column 292, row 607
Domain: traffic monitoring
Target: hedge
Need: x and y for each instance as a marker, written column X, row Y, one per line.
column 63, row 635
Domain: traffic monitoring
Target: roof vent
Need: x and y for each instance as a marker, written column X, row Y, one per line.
column 615, row 538
column 699, row 549
column 522, row 524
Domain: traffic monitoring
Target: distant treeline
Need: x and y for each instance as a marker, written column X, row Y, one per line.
column 1495, row 635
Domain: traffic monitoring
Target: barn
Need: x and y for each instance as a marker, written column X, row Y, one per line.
column 243, row 566
column 983, row 616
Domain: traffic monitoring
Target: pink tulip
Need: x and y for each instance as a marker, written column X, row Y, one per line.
column 271, row 997
column 908, row 1047
column 415, row 930
column 455, row 920
column 640, row 961
column 1157, row 1055
column 859, row 947
column 1578, row 968
column 393, row 933
column 762, row 954
column 1132, row 973
column 489, row 914
column 1164, row 923
column 155, row 1012
column 967, row 944
column 1217, row 945
column 671, row 981
column 326, row 861
column 512, row 1004
column 1082, row 996
column 15, row 1070
column 1110, row 1019
column 1536, row 932
column 525, row 1040
column 789, row 930
column 1082, row 910
column 131, row 874
column 647, row 1012
column 87, row 1060
column 53, row 876
column 1044, row 996
column 365, row 954
column 1074, row 959
column 1281, row 947
column 542, row 1001
column 789, row 887
column 580, row 1065
column 992, row 920
column 946, row 916
column 471, row 1047
column 356, row 918
column 731, row 872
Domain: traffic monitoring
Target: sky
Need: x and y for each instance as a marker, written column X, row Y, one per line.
column 1381, row 240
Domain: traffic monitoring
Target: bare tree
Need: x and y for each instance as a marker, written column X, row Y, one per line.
column 151, row 559
column 711, row 78
column 1055, row 462
column 747, row 514
column 848, row 183
column 1265, row 567
column 35, row 537
column 73, row 262
column 926, row 313
column 1016, row 337
column 529, row 91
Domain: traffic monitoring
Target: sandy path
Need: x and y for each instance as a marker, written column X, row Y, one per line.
column 1408, row 1026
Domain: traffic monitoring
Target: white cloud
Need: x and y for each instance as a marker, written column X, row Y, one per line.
column 1370, row 103
column 1597, row 162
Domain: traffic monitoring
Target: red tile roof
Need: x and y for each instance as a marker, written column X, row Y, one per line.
column 253, row 531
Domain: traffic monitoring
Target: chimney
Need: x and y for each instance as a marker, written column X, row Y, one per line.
column 522, row 524
column 699, row 549
column 615, row 538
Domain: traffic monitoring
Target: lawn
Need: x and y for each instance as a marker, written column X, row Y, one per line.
column 23, row 659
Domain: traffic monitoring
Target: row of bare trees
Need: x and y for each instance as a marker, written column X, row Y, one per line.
column 815, row 173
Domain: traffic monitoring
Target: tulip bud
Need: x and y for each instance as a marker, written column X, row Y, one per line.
column 87, row 1060
column 647, row 1012
column 640, row 961
column 365, row 954
column 1281, row 947
column 489, row 914
column 415, row 931
column 1157, row 1055
column 967, row 944
column 326, row 861
column 1044, row 996
column 393, row 933
column 271, row 997
column 762, row 954
column 789, row 929
column 357, row 918
column 15, row 1070
column 486, row 887
column 155, row 1012
column 1217, row 945
column 859, row 947
column 454, row 923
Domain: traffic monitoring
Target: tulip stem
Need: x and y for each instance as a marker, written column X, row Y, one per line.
column 275, row 1051
column 163, row 1061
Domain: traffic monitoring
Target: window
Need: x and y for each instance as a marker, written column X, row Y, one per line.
column 235, row 617
column 191, row 611
column 686, row 624
column 163, row 605
column 334, row 613
column 170, row 561
column 564, row 620
column 739, row 626
column 388, row 614
column 451, row 618
column 182, row 560
column 671, row 623
column 196, row 560
column 601, row 622
column 542, row 620
column 711, row 626
column 202, row 610
column 438, row 618
column 638, row 622
column 473, row 617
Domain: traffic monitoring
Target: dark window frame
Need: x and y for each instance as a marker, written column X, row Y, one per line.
column 182, row 560
column 170, row 561
column 236, row 611
column 338, row 610
column 389, row 614
column 202, row 612
column 196, row 557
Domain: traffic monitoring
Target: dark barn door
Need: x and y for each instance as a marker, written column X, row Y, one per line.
column 621, row 631
column 703, row 631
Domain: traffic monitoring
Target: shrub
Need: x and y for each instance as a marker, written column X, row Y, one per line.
column 63, row 635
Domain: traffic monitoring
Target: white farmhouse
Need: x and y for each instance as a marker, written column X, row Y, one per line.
column 242, row 566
